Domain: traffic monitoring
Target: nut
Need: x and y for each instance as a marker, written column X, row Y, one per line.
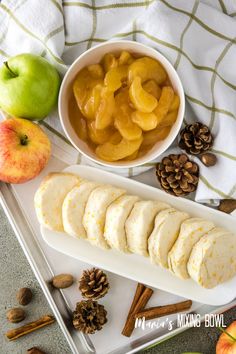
column 24, row 296
column 35, row 350
column 208, row 159
column 227, row 205
column 15, row 315
column 62, row 281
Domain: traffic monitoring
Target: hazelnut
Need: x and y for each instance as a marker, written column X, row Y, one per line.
column 62, row 281
column 208, row 159
column 227, row 205
column 24, row 296
column 15, row 315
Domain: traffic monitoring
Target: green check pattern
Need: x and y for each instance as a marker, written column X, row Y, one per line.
column 197, row 37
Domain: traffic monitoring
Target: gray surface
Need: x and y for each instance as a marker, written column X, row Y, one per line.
column 15, row 273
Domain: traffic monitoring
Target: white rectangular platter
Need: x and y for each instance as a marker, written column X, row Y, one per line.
column 136, row 267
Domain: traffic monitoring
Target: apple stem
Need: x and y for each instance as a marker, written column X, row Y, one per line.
column 228, row 334
column 9, row 69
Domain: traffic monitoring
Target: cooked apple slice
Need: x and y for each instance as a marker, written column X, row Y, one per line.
column 95, row 213
column 80, row 87
column 114, row 77
column 77, row 120
column 151, row 87
column 81, row 128
column 83, row 85
column 49, row 198
column 115, row 138
column 147, row 69
column 175, row 104
column 125, row 58
column 109, row 62
column 122, row 118
column 167, row 96
column 105, row 110
column 146, row 121
column 141, row 99
column 168, row 120
column 143, row 150
column 96, row 71
column 124, row 124
column 153, row 136
column 131, row 157
column 99, row 136
column 111, row 152
column 92, row 102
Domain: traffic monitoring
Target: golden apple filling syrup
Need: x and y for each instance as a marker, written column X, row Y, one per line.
column 123, row 106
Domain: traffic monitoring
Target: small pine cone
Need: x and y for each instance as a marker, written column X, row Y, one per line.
column 93, row 284
column 177, row 174
column 89, row 316
column 195, row 139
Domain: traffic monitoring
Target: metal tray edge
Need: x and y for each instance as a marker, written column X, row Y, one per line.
column 83, row 342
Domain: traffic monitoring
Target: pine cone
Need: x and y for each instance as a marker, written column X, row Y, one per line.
column 89, row 316
column 93, row 284
column 195, row 139
column 177, row 174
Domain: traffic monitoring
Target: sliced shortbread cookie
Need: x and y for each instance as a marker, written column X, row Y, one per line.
column 117, row 213
column 73, row 209
column 95, row 213
column 49, row 198
column 164, row 235
column 190, row 233
column 213, row 258
column 140, row 223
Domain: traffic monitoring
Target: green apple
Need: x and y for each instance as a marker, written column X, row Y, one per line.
column 29, row 86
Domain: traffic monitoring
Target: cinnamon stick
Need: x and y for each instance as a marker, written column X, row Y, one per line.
column 140, row 304
column 13, row 334
column 159, row 311
column 139, row 290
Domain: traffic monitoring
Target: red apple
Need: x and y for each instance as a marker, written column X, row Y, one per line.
column 24, row 150
column 227, row 341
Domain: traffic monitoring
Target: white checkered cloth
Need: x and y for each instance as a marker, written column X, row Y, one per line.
column 198, row 37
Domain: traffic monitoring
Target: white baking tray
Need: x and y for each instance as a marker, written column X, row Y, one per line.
column 18, row 204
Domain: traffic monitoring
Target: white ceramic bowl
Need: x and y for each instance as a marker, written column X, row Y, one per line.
column 93, row 56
